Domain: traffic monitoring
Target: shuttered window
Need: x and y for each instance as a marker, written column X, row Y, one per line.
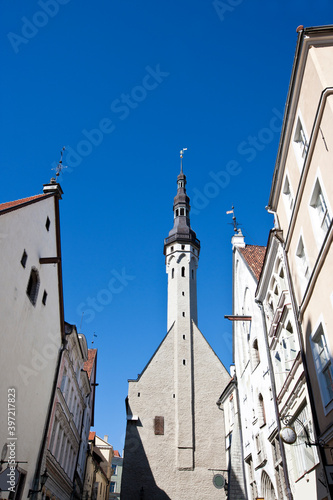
column 159, row 426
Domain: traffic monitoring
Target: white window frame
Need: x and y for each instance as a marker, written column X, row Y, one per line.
column 320, row 366
column 302, row 261
column 320, row 217
column 300, row 140
column 288, row 195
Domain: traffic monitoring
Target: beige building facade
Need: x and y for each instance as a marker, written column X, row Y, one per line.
column 302, row 200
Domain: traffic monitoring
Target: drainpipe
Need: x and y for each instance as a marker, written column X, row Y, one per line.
column 277, row 416
column 47, row 422
column 306, row 373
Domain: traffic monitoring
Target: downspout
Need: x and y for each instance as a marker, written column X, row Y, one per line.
column 241, row 436
column 306, row 373
column 47, row 422
column 283, row 456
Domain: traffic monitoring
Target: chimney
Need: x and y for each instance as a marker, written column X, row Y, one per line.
column 53, row 187
column 238, row 240
column 106, row 437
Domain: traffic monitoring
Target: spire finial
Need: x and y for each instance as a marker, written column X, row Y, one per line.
column 234, row 221
column 181, row 159
column 60, row 166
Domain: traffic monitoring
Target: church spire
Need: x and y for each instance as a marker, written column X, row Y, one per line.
column 181, row 230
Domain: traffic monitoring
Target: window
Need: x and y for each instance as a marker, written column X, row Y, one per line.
column 114, row 469
column 183, row 272
column 172, row 273
column 255, row 359
column 63, row 381
column 182, row 211
column 287, row 196
column 300, row 141
column 33, row 286
column 177, row 212
column 112, row 487
column 44, row 299
column 24, row 258
column 159, row 426
column 47, row 224
column 183, row 314
column 323, row 365
column 320, row 214
column 261, row 412
column 303, row 264
column 192, row 274
column 183, row 247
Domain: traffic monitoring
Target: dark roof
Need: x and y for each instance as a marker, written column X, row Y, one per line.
column 254, row 256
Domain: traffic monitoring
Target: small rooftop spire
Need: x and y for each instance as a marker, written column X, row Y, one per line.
column 181, row 159
column 60, row 166
column 234, row 221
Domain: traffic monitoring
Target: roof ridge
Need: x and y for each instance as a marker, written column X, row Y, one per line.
column 21, row 201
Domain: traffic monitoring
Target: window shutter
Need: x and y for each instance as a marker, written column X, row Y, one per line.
column 159, row 426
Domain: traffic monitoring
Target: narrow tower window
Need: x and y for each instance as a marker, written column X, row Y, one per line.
column 183, row 272
column 172, row 273
column 47, row 224
column 192, row 274
column 33, row 286
column 44, row 299
column 24, row 258
column 182, row 212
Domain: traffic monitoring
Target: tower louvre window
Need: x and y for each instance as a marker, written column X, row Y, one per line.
column 182, row 211
column 177, row 212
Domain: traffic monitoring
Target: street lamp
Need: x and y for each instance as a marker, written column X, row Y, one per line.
column 43, row 479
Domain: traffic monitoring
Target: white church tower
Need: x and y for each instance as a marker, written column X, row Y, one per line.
column 175, row 442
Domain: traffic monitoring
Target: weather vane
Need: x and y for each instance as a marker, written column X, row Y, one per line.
column 181, row 158
column 234, row 221
column 60, row 166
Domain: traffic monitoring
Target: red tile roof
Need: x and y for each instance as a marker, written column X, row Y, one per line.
column 88, row 365
column 91, row 435
column 116, row 453
column 254, row 256
column 11, row 204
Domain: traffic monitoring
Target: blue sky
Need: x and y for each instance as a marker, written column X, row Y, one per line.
column 125, row 85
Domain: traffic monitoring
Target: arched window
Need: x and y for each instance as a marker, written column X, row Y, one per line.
column 183, row 272
column 33, row 286
column 261, row 411
column 255, row 359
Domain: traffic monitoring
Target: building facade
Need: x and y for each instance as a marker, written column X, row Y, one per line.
column 66, row 448
column 174, row 445
column 31, row 309
column 117, row 472
column 301, row 199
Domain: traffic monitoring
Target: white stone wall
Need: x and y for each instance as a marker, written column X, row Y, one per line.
column 30, row 335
